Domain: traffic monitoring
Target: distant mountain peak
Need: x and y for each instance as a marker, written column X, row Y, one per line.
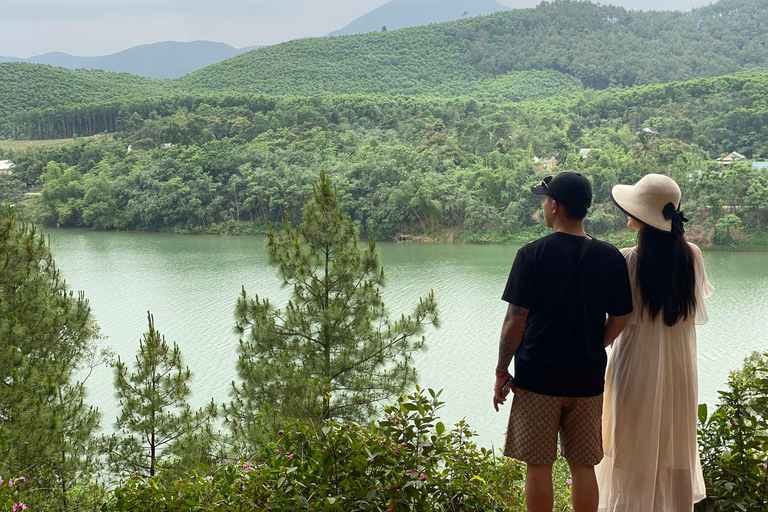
column 410, row 13
column 166, row 59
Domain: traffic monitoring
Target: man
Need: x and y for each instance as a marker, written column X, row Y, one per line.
column 559, row 291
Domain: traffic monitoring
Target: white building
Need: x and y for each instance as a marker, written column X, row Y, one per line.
column 6, row 167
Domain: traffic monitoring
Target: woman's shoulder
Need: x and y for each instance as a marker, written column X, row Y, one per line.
column 628, row 252
column 694, row 247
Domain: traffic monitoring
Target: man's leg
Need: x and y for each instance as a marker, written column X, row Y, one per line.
column 581, row 433
column 539, row 496
column 584, row 490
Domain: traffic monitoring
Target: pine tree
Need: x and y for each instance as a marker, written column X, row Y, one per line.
column 46, row 337
column 332, row 353
column 156, row 421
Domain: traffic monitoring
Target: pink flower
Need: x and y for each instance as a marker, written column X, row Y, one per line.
column 19, row 506
column 243, row 486
column 24, row 480
column 1, row 480
column 423, row 477
column 312, row 484
column 289, row 456
column 280, row 433
column 10, row 482
column 759, row 447
column 404, row 443
column 568, row 481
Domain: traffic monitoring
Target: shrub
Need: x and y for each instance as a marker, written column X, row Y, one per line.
column 734, row 440
column 407, row 461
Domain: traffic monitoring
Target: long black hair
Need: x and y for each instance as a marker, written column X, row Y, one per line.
column 666, row 275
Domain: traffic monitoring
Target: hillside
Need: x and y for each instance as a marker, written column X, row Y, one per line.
column 600, row 45
column 410, row 13
column 169, row 59
column 35, row 86
column 570, row 45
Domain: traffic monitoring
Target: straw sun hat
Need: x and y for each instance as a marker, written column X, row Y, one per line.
column 654, row 201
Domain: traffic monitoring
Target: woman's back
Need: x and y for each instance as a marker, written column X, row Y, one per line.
column 649, row 419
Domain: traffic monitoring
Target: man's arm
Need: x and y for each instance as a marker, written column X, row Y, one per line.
column 613, row 327
column 511, row 336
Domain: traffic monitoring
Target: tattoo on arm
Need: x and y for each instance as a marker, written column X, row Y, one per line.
column 511, row 334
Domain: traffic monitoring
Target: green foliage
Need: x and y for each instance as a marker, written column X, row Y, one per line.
column 428, row 167
column 46, row 335
column 156, row 425
column 734, row 441
column 560, row 47
column 11, row 189
column 601, row 46
column 409, row 461
column 723, row 235
column 41, row 88
column 332, row 353
column 11, row 494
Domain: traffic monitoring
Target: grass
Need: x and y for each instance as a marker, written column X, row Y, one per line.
column 21, row 145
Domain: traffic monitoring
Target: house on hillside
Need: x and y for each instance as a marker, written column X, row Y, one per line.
column 760, row 166
column 584, row 152
column 6, row 167
column 730, row 158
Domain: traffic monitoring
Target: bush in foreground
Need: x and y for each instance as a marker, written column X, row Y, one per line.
column 734, row 442
column 407, row 461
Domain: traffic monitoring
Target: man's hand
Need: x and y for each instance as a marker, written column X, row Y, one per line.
column 501, row 389
column 511, row 336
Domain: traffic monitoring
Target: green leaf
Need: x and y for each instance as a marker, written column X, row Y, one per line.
column 440, row 428
column 703, row 413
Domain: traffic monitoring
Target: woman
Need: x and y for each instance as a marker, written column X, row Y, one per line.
column 651, row 458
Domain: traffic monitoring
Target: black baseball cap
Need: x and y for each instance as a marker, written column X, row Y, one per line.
column 568, row 188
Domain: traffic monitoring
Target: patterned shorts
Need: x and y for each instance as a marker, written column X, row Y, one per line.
column 535, row 420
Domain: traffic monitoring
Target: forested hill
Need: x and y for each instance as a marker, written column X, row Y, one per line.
column 570, row 44
column 600, row 45
column 37, row 86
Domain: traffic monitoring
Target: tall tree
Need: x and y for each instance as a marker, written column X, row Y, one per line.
column 46, row 338
column 156, row 421
column 332, row 353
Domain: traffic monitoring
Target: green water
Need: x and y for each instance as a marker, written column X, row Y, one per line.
column 191, row 283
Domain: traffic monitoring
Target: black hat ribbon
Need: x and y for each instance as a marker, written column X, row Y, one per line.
column 678, row 217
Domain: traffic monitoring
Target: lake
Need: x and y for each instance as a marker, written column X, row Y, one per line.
column 191, row 283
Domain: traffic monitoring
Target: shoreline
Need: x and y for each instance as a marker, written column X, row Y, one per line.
column 453, row 239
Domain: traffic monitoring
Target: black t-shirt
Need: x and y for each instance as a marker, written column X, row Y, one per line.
column 562, row 352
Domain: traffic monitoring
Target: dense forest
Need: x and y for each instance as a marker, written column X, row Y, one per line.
column 440, row 168
column 572, row 44
column 600, row 45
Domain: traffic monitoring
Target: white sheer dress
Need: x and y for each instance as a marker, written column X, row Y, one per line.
column 651, row 461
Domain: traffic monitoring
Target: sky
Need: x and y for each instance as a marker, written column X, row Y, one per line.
column 102, row 27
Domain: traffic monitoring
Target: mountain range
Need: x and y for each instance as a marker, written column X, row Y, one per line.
column 410, row 13
column 169, row 59
column 172, row 59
